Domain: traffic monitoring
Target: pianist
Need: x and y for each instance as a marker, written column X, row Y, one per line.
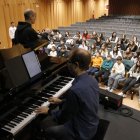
column 25, row 34
column 77, row 119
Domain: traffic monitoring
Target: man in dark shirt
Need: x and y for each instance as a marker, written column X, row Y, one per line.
column 77, row 119
column 25, row 34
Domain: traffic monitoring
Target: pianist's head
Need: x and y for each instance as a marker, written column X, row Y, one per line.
column 30, row 16
column 79, row 61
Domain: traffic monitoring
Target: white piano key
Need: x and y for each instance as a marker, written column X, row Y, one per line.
column 19, row 126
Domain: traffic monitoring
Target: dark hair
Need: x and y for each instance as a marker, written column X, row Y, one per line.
column 119, row 58
column 12, row 22
column 82, row 57
column 116, row 50
column 28, row 13
column 137, row 68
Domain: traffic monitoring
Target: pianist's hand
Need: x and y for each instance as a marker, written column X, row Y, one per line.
column 42, row 110
column 54, row 100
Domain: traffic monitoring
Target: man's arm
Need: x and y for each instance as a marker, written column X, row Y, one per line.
column 70, row 107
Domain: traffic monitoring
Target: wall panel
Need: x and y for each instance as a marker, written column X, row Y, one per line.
column 50, row 13
column 124, row 7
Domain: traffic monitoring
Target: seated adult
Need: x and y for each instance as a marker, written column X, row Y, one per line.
column 96, row 63
column 133, row 79
column 93, row 49
column 98, row 42
column 135, row 41
column 49, row 47
column 83, row 45
column 69, row 40
column 104, row 72
column 77, row 36
column 102, row 37
column 25, row 34
column 127, row 54
column 117, row 72
column 132, row 46
column 67, row 34
column 53, row 52
column 86, row 35
column 78, row 40
column 124, row 40
column 108, row 43
column 114, row 38
column 77, row 118
column 135, row 57
column 115, row 52
column 103, row 50
column 94, row 35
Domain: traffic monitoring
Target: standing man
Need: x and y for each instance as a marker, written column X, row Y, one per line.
column 77, row 119
column 25, row 34
column 12, row 30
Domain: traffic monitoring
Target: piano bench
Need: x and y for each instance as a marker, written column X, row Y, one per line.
column 102, row 128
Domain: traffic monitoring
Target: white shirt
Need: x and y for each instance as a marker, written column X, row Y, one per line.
column 120, row 69
column 50, row 46
column 134, row 74
column 115, row 41
column 12, row 32
column 114, row 56
column 69, row 41
column 53, row 53
column 83, row 47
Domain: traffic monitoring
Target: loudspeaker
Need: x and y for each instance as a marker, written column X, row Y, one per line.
column 109, row 99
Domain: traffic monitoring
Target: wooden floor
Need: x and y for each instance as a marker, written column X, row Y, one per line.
column 127, row 101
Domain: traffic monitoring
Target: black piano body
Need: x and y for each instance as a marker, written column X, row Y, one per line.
column 17, row 105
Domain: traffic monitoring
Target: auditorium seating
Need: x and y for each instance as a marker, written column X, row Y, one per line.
column 128, row 25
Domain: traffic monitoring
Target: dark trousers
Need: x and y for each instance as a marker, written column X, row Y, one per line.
column 51, row 130
column 13, row 41
column 104, row 74
column 92, row 70
column 129, row 83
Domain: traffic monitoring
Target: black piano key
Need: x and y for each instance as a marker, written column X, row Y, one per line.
column 7, row 128
column 40, row 98
column 23, row 115
column 13, row 124
column 16, row 121
column 52, row 88
column 59, row 83
column 57, row 86
column 62, row 81
column 48, row 91
column 44, row 94
column 9, row 124
column 28, row 111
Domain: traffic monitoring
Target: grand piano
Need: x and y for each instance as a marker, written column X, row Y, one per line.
column 33, row 81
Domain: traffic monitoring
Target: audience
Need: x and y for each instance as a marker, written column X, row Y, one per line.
column 112, row 50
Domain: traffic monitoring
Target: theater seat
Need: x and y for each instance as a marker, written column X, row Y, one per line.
column 101, row 131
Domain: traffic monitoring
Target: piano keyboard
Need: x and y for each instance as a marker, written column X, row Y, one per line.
column 24, row 114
